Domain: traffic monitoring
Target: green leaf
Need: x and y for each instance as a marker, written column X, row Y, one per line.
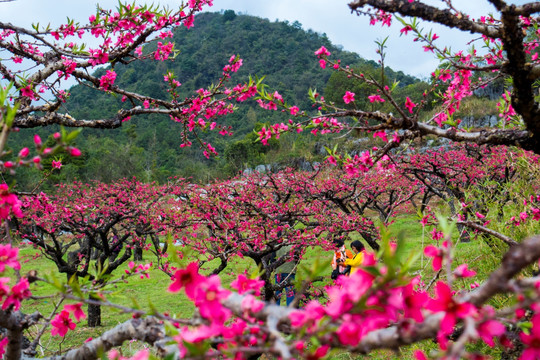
column 71, row 136
column 446, row 227
column 73, row 283
column 135, row 303
column 10, row 115
column 153, row 310
column 198, row 349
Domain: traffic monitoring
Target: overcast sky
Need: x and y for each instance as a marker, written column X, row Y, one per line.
column 332, row 17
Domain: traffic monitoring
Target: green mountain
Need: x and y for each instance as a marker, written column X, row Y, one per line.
column 148, row 147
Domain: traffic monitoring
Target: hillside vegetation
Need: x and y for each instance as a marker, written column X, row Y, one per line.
column 148, row 148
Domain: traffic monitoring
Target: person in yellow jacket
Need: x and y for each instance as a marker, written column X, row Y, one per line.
column 358, row 259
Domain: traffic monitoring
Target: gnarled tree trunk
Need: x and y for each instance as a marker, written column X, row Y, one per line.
column 94, row 313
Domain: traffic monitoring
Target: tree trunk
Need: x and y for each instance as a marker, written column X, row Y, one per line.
column 464, row 235
column 94, row 314
column 369, row 239
column 137, row 253
column 266, row 276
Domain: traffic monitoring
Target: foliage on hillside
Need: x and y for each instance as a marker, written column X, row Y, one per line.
column 148, row 147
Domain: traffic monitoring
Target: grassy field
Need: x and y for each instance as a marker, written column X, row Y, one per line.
column 150, row 293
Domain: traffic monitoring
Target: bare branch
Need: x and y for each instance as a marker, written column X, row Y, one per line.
column 429, row 13
column 507, row 240
column 511, row 137
column 149, row 330
column 528, row 9
column 513, row 262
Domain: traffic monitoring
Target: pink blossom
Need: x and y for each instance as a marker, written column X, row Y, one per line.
column 8, row 257
column 437, row 255
column 308, row 316
column 107, row 80
column 380, row 134
column 409, row 105
column 349, row 332
column 375, row 98
column 4, row 287
column 28, row 92
column 114, row 354
column 188, row 278
column 198, row 334
column 61, row 324
column 98, row 57
column 445, row 76
column 322, row 52
column 332, row 160
column 489, row 329
column 76, row 310
column 37, row 140
column 188, row 22
column 208, row 293
column 9, row 203
column 74, row 152
column 56, row 164
column 536, row 213
column 440, row 118
column 141, row 355
column 436, row 235
column 243, row 284
column 463, row 272
column 3, row 345
column 277, row 96
column 18, row 292
column 532, row 341
column 250, row 303
column 414, row 302
column 163, row 51
column 419, row 354
column 348, row 97
column 452, row 310
column 406, row 29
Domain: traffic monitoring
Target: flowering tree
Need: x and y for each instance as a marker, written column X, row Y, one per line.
column 255, row 216
column 47, row 57
column 509, row 44
column 460, row 173
column 89, row 231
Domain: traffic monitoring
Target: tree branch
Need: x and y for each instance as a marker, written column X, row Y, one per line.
column 429, row 13
column 149, row 330
column 507, row 240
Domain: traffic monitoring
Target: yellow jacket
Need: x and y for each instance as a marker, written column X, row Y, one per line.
column 355, row 262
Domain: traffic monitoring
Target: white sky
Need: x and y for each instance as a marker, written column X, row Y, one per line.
column 332, row 17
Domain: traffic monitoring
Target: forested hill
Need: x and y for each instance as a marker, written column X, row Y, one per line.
column 149, row 148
